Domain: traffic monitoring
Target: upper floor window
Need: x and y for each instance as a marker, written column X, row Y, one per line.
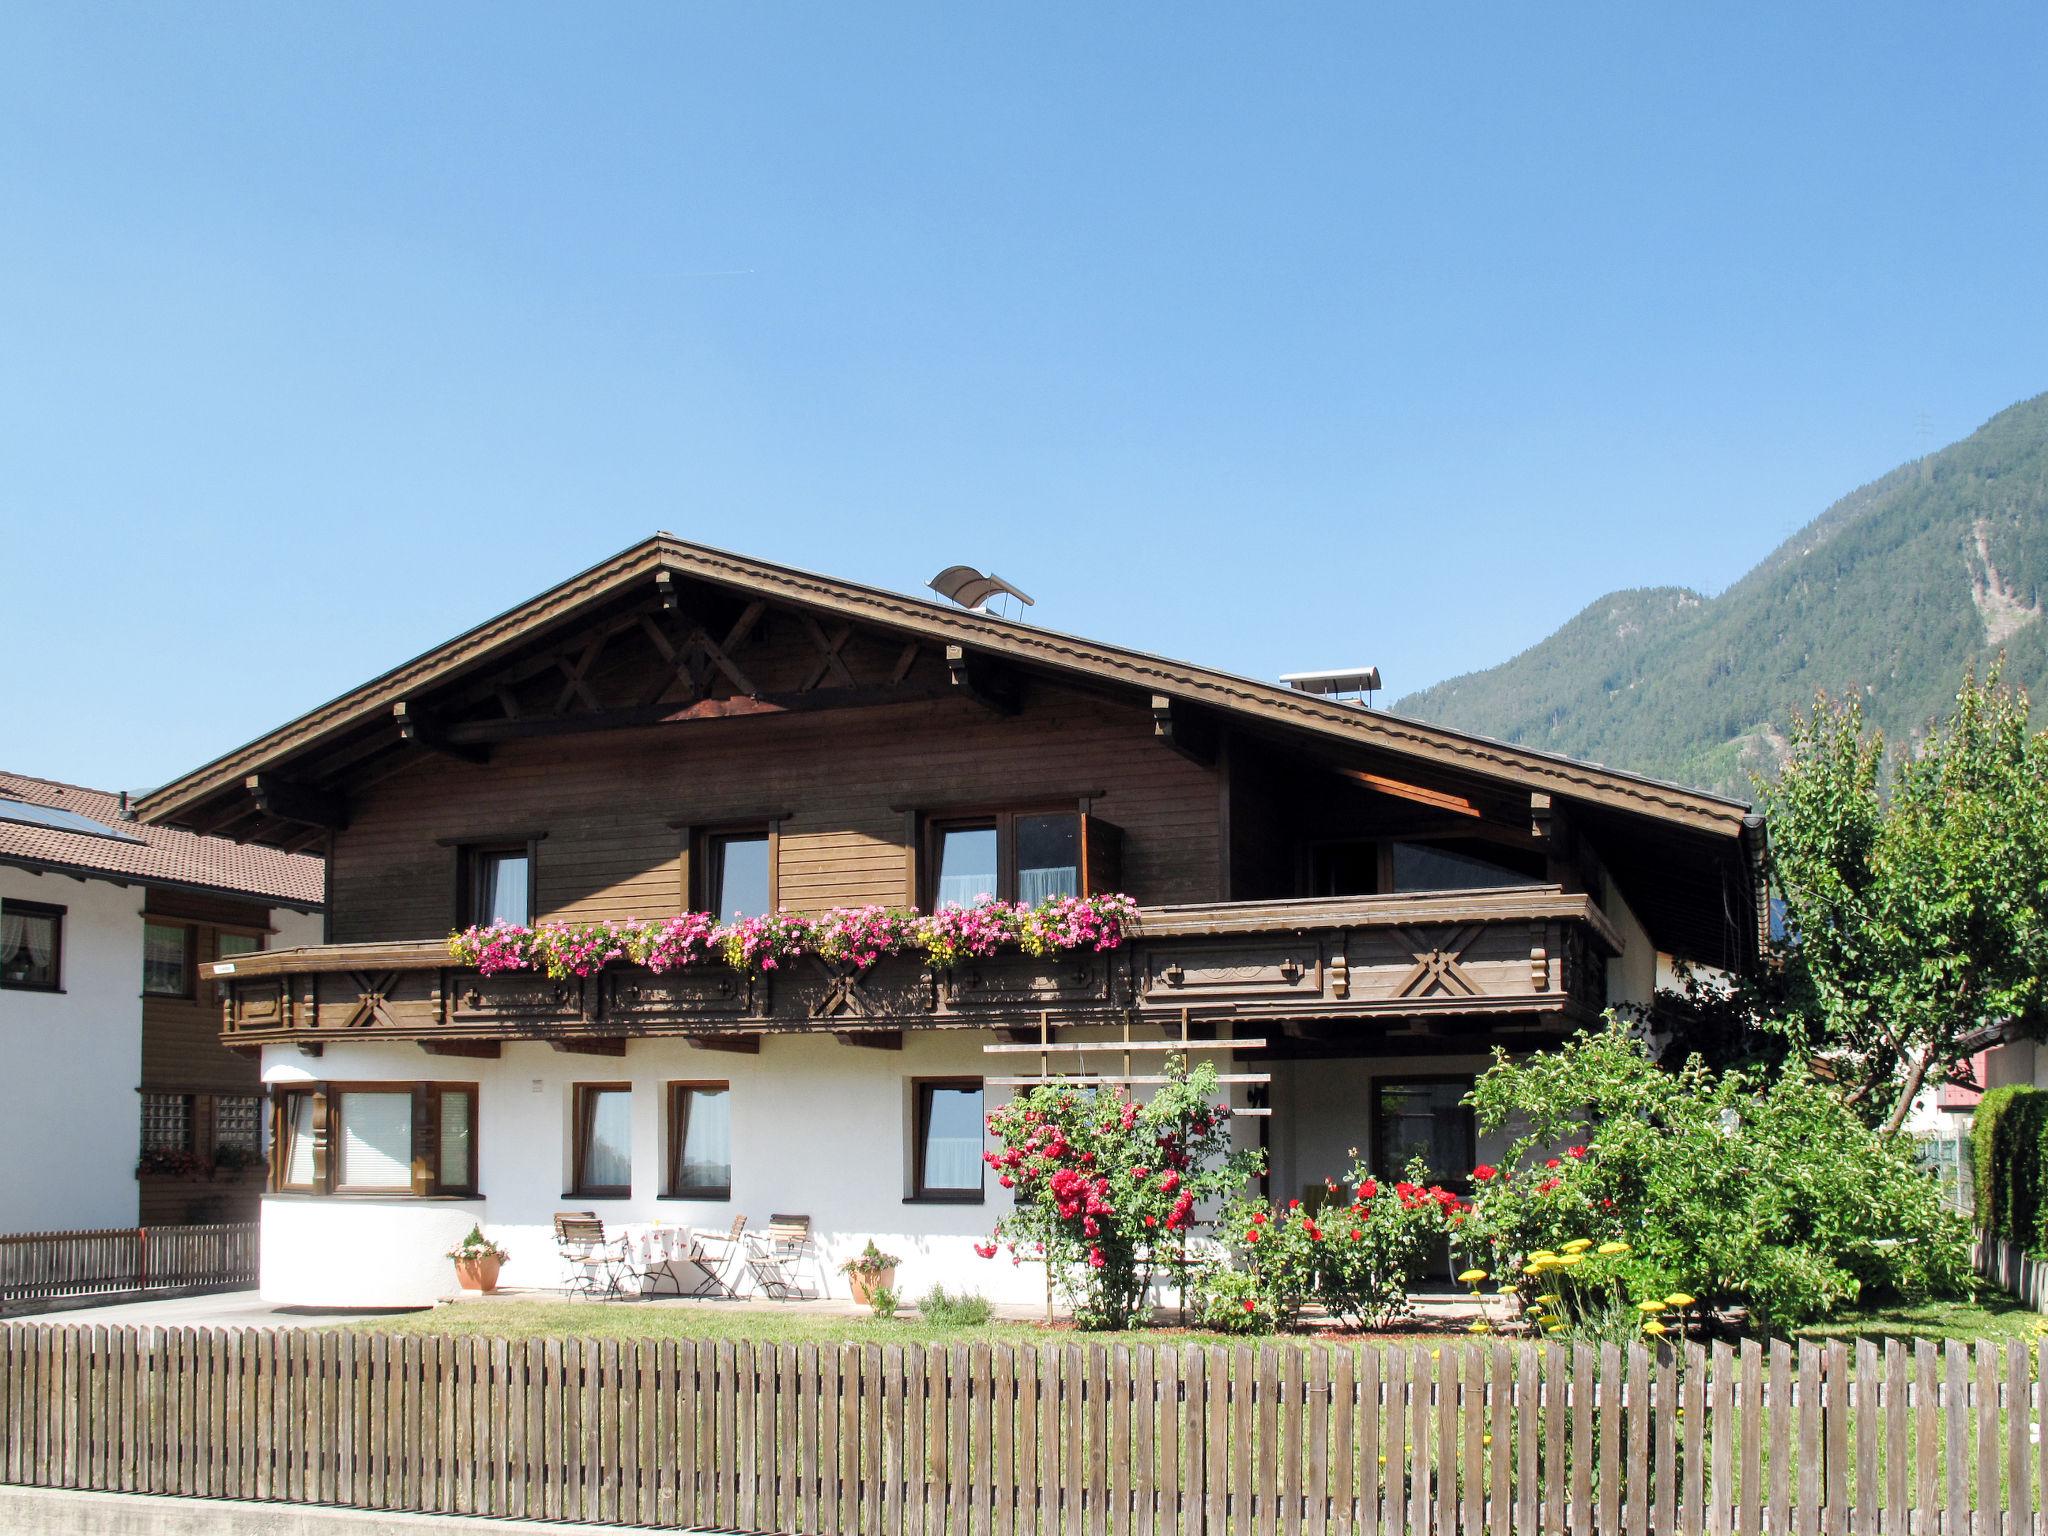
column 1027, row 856
column 166, row 959
column 31, row 946
column 737, row 874
column 499, row 884
column 228, row 945
column 1460, row 867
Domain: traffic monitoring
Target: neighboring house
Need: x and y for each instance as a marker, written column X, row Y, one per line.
column 1380, row 901
column 119, row 1104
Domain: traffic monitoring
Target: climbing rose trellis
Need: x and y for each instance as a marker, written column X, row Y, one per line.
column 855, row 936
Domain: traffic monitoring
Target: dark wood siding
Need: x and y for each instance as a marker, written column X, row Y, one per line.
column 846, row 778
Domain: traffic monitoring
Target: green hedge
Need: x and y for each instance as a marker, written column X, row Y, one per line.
column 2009, row 1156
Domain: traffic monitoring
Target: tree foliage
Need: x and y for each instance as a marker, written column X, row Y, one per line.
column 1759, row 1190
column 1916, row 892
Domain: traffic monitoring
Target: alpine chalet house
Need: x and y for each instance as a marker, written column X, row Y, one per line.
column 121, row 1106
column 1368, row 904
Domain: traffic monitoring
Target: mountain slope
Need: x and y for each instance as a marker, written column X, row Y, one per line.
column 1893, row 590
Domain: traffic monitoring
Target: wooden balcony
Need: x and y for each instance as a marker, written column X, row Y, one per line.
column 1536, row 952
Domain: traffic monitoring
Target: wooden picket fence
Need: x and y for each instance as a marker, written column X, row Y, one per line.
column 1064, row 1439
column 42, row 1266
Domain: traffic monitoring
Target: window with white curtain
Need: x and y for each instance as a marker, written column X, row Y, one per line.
column 604, row 1139
column 374, row 1148
column 949, row 1140
column 700, row 1141
column 31, row 943
column 455, row 1132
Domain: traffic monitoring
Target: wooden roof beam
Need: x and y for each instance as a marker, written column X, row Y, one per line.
column 420, row 729
column 1184, row 729
column 989, row 684
column 738, row 1045
column 297, row 802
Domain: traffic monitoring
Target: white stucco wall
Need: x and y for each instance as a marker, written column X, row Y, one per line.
column 1634, row 975
column 68, row 1111
column 293, row 928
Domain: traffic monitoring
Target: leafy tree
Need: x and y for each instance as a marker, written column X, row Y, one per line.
column 1915, row 889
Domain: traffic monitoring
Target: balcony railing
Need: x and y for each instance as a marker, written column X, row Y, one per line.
column 1531, row 951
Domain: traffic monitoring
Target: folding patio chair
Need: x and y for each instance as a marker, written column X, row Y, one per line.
column 596, row 1266
column 772, row 1272
column 790, row 1240
column 717, row 1254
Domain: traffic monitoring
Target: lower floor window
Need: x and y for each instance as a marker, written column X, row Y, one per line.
column 700, row 1141
column 949, row 1140
column 166, row 1122
column 375, row 1138
column 238, row 1123
column 604, row 1139
column 1426, row 1118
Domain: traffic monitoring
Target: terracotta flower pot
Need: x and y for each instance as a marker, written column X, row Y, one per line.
column 477, row 1274
column 864, row 1285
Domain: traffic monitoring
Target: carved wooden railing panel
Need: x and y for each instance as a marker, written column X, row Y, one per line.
column 1536, row 951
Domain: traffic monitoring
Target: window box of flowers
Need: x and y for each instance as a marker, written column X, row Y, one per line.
column 477, row 1259
column 869, row 1271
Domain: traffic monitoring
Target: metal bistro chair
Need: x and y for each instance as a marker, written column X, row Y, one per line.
column 772, row 1272
column 665, row 1254
column 717, row 1254
column 596, row 1266
column 790, row 1240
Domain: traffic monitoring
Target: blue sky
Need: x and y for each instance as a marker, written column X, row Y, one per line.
column 1272, row 337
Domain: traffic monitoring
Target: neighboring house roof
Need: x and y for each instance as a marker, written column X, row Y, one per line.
column 126, row 849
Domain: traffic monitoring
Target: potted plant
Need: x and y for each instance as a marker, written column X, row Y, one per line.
column 869, row 1271
column 476, row 1262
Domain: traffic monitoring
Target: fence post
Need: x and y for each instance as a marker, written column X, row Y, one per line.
column 142, row 1258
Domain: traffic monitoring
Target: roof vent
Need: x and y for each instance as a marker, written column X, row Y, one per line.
column 1354, row 685
column 964, row 585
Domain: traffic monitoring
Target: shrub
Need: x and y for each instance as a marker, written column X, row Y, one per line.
column 1107, row 1189
column 1355, row 1258
column 966, row 1310
column 2009, row 1158
column 1769, row 1195
column 882, row 1302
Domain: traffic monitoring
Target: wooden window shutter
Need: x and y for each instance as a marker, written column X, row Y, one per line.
column 1102, row 856
column 322, row 1102
column 425, row 1138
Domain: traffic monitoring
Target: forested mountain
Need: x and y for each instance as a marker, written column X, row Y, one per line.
column 1892, row 591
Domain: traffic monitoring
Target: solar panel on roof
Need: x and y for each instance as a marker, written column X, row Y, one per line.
column 59, row 820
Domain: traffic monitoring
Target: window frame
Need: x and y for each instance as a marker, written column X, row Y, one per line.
column 1003, row 820
column 715, row 842
column 470, row 857
column 922, row 1089
column 56, row 914
column 191, row 931
column 1459, row 1180
column 699, row 871
column 580, row 1121
column 425, row 1180
column 677, row 1131
column 338, row 1129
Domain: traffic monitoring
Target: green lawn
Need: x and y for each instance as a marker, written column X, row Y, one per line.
column 1993, row 1315
column 624, row 1320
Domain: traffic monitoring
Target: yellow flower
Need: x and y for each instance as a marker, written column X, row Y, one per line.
column 1613, row 1250
column 1571, row 1261
column 1655, row 1327
column 1540, row 1255
column 1553, row 1299
column 1532, row 1269
column 1650, row 1307
column 1578, row 1245
column 1478, row 1327
column 1679, row 1300
column 1555, row 1328
column 1473, row 1277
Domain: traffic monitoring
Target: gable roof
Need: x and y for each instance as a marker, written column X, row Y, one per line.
column 148, row 855
column 1241, row 698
